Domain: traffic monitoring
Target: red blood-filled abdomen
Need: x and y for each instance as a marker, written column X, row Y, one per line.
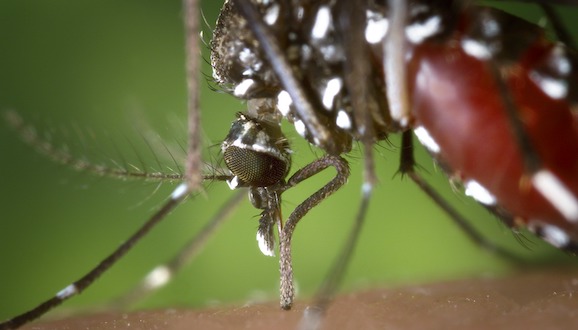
column 455, row 98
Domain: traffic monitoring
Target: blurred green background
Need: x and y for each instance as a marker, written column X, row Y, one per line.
column 95, row 77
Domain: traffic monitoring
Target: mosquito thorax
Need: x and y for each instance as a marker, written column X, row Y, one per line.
column 511, row 68
column 240, row 66
column 256, row 152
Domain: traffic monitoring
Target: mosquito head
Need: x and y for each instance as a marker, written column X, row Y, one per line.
column 256, row 152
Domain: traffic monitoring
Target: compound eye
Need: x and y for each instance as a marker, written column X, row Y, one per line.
column 256, row 152
column 254, row 168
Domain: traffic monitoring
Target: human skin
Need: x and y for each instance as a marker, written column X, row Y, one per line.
column 544, row 299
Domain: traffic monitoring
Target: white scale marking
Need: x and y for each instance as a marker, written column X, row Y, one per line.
column 557, row 194
column 245, row 55
column 555, row 236
column 300, row 13
column 263, row 246
column 418, row 32
column 560, row 61
column 322, row 23
column 300, row 128
column 491, row 27
column 284, row 102
column 426, row 139
column 259, row 147
column 550, row 233
column 476, row 49
column 475, row 190
column 243, row 87
column 272, row 14
column 343, row 120
column 233, row 183
column 366, row 189
column 333, row 87
column 70, row 290
column 555, row 88
column 376, row 28
column 158, row 277
column 180, row 191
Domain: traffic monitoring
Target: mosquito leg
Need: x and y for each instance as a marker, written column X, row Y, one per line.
column 193, row 167
column 559, row 28
column 393, row 63
column 180, row 193
column 543, row 180
column 162, row 274
column 286, row 268
column 365, row 105
column 531, row 160
column 407, row 167
column 193, row 175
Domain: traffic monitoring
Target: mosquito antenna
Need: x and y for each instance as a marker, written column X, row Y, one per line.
column 178, row 167
column 31, row 137
column 559, row 28
column 152, row 150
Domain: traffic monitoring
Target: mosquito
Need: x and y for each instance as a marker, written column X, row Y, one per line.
column 195, row 171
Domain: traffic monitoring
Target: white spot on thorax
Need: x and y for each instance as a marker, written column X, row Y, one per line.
column 479, row 193
column 331, row 90
column 426, row 139
column 300, row 13
column 322, row 23
column 557, row 194
column 300, row 127
column 554, row 88
column 157, row 277
column 306, row 52
column 250, row 61
column 67, row 292
column 243, row 87
column 246, row 55
column 343, row 120
column 264, row 245
column 284, row 102
column 272, row 14
column 376, row 28
column 419, row 31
